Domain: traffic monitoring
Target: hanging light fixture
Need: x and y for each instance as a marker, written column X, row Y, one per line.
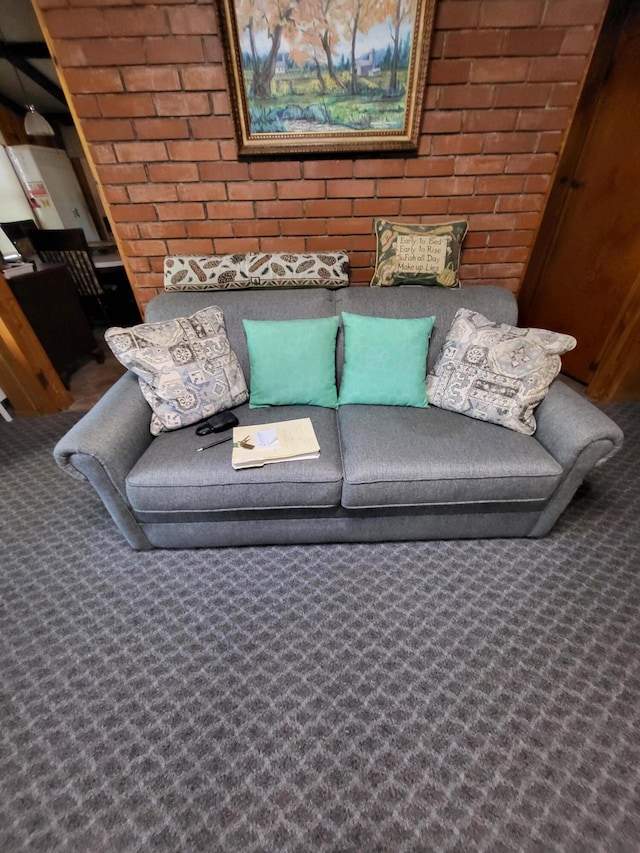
column 36, row 124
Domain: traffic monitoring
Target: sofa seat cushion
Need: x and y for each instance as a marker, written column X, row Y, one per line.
column 414, row 457
column 172, row 477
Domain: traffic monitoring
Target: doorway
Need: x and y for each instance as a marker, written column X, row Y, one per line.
column 583, row 276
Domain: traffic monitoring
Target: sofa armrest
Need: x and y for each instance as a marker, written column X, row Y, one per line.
column 105, row 445
column 579, row 436
column 569, row 423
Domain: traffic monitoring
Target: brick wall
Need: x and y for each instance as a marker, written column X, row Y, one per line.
column 148, row 83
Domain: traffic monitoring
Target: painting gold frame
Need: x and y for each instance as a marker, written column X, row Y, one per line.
column 337, row 76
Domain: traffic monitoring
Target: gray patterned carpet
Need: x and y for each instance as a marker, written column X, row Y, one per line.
column 448, row 696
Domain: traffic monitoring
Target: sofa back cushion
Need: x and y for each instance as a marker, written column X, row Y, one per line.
column 415, row 301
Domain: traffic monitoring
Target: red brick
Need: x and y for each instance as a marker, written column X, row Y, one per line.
column 551, row 118
column 224, row 172
column 537, row 183
column 135, row 22
column 290, row 244
column 445, row 71
column 209, row 77
column 213, row 50
column 442, row 122
column 145, row 248
column 462, row 206
column 256, row 228
column 139, row 264
column 482, row 121
column 252, row 191
column 465, row 97
column 578, row 41
column 501, row 70
column 120, row 52
column 327, row 169
column 506, row 13
column 86, row 106
column 173, row 172
column 511, row 203
column 380, row 167
column 103, row 153
column 457, row 14
column 363, row 188
column 122, row 174
column 103, row 130
column 563, row 95
column 155, row 230
column 522, row 95
column 492, row 222
column 467, row 43
column 178, row 50
column 303, row 227
column 193, row 150
column 229, row 247
column 140, row 152
column 502, row 270
column 230, row 210
column 534, row 42
column 128, row 231
column 200, row 246
column 510, row 238
column 549, row 142
column 153, row 192
column 427, row 166
column 559, row 69
column 401, row 187
column 279, row 209
column 93, row 80
column 228, row 150
column 507, row 143
column 487, row 164
column 181, row 211
column 212, row 127
column 326, row 244
column 528, row 163
column 276, row 171
column 499, row 184
column 378, row 208
column 424, row 206
column 116, row 195
column 574, row 12
column 190, row 19
column 126, row 105
column 213, row 228
column 527, row 220
column 301, row 189
column 461, row 143
column 349, row 226
column 75, row 23
column 133, row 212
column 161, row 128
column 170, row 104
column 450, row 186
column 203, row 191
column 324, row 208
column 153, row 79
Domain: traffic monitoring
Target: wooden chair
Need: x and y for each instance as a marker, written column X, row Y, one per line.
column 106, row 301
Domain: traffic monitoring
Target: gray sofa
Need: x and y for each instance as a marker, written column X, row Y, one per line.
column 384, row 473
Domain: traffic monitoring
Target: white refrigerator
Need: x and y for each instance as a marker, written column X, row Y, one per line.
column 14, row 206
column 52, row 189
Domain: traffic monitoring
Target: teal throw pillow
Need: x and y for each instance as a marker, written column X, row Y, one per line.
column 385, row 361
column 292, row 362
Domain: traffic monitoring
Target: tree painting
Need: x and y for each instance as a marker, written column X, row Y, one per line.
column 312, row 72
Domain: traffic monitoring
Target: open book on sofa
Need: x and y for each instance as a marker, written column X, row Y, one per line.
column 284, row 441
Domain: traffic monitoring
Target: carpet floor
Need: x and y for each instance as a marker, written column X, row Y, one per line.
column 438, row 696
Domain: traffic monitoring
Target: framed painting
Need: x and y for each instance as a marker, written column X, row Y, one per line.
column 327, row 75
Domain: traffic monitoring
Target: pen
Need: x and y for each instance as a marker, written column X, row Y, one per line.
column 214, row 443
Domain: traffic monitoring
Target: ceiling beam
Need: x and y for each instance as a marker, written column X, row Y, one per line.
column 38, row 77
column 26, row 49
